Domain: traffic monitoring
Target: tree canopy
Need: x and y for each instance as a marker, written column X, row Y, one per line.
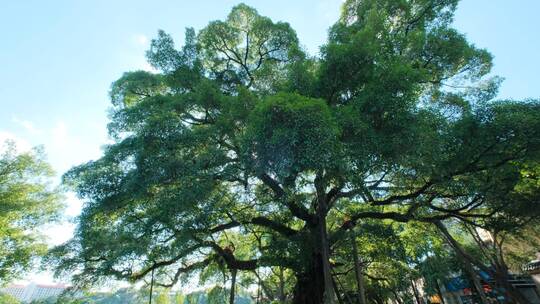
column 246, row 155
column 27, row 201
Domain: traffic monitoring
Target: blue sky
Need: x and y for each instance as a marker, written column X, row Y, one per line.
column 58, row 59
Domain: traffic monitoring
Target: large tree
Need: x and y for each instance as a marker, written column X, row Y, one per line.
column 243, row 153
column 27, row 201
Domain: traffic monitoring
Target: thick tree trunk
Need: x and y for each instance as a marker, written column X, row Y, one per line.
column 316, row 285
column 309, row 287
column 329, row 295
column 361, row 296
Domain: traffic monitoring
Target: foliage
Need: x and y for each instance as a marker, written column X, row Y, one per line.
column 244, row 153
column 163, row 297
column 217, row 295
column 522, row 247
column 27, row 201
column 179, row 298
column 7, row 299
column 195, row 297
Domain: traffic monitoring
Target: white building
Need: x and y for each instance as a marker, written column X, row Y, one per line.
column 32, row 291
column 533, row 268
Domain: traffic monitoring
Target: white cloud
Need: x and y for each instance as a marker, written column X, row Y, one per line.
column 330, row 10
column 60, row 134
column 141, row 39
column 27, row 125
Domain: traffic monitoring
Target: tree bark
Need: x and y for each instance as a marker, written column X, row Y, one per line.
column 151, row 287
column 233, row 286
column 439, row 292
column 473, row 274
column 466, row 262
column 361, row 293
column 309, row 288
column 281, row 294
column 336, row 290
column 500, row 278
column 415, row 291
column 397, row 297
column 501, row 274
column 329, row 295
column 259, row 288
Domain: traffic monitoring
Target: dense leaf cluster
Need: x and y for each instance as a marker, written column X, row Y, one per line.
column 27, row 201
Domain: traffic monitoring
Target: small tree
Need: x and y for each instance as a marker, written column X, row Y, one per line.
column 27, row 201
